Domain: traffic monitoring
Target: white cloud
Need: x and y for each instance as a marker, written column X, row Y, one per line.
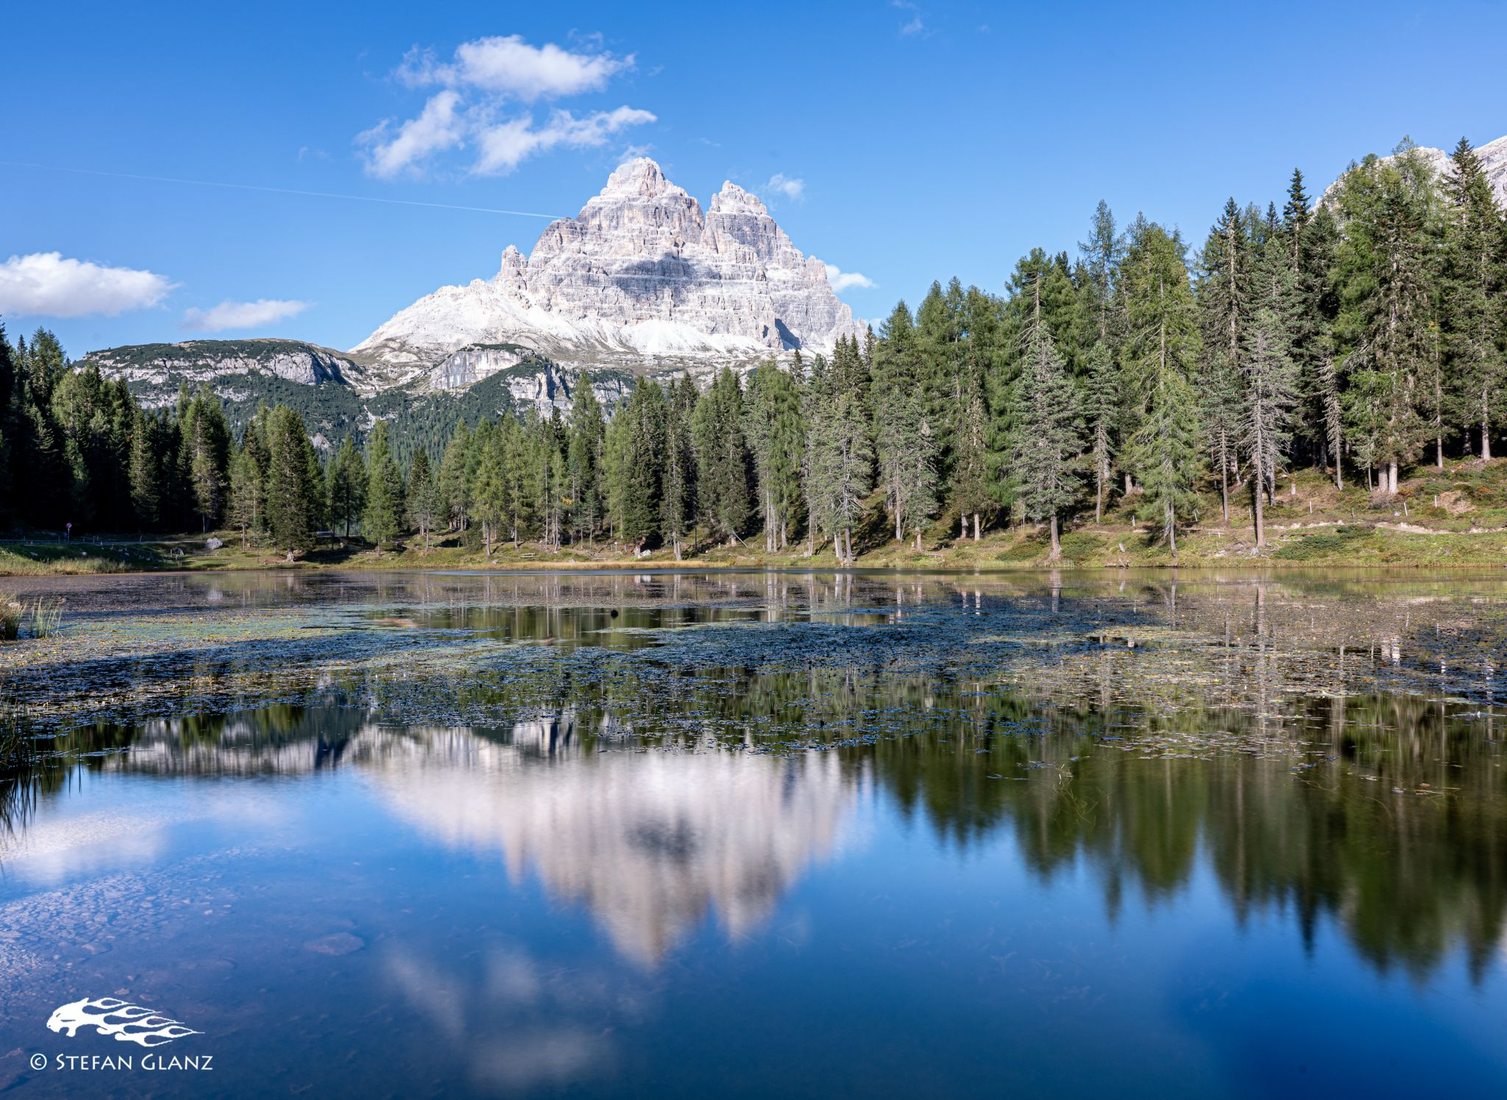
column 503, row 147
column 48, row 284
column 511, row 67
column 478, row 82
column 846, row 280
column 913, row 28
column 785, row 186
column 242, row 315
column 438, row 127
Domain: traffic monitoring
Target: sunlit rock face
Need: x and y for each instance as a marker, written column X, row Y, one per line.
column 156, row 371
column 640, row 275
column 649, row 842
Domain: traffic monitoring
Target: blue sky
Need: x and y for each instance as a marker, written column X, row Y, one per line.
column 927, row 139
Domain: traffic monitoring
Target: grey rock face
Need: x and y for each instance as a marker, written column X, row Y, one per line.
column 641, row 277
column 164, row 367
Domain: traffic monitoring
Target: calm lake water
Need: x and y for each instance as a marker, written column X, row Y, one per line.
column 764, row 835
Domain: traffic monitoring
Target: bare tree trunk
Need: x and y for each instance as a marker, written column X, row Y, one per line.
column 1260, row 515
column 1056, row 553
column 976, row 534
column 1224, row 479
column 1392, row 478
column 1485, row 427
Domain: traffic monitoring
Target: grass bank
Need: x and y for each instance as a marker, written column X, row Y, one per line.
column 1454, row 517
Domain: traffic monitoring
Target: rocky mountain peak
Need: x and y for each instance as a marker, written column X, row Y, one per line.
column 640, row 278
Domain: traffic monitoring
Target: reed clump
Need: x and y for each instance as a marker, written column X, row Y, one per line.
column 39, row 618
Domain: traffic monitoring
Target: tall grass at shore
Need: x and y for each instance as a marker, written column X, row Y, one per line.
column 37, row 619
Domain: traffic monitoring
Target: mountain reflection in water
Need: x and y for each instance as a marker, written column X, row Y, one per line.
column 1386, row 814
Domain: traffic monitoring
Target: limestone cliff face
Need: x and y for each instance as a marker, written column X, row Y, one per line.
column 167, row 366
column 641, row 277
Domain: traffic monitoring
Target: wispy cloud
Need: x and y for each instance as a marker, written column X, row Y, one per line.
column 486, row 80
column 841, row 280
column 785, row 186
column 436, row 128
column 49, row 284
column 242, row 315
column 502, row 147
column 915, row 25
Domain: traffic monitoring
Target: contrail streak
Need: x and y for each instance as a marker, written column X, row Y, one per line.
column 278, row 190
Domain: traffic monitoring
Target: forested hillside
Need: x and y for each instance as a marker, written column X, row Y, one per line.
column 1361, row 336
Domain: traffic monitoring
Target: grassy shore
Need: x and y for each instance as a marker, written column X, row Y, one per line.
column 1440, row 518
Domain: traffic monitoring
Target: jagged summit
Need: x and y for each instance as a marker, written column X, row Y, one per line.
column 642, row 276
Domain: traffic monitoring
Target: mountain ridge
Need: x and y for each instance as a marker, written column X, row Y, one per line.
column 641, row 277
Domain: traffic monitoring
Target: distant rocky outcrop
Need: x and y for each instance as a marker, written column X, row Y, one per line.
column 157, row 370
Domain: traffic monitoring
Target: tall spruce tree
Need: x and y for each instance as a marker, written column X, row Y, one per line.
column 422, row 497
column 1160, row 357
column 1383, row 267
column 678, row 486
column 588, row 433
column 840, row 454
column 905, row 444
column 633, row 465
column 292, row 492
column 776, row 435
column 1474, row 278
column 347, row 487
column 1226, row 300
column 382, row 519
column 1048, row 441
column 722, row 460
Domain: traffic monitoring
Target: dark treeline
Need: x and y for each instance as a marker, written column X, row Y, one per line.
column 1358, row 335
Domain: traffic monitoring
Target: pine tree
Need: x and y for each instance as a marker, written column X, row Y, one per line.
column 722, row 460
column 840, row 456
column 455, row 478
column 1473, row 321
column 1307, row 239
column 777, row 438
column 1160, row 356
column 1226, row 298
column 244, row 505
column 422, row 497
column 1048, row 442
column 347, row 486
column 292, row 492
column 678, row 486
column 1383, row 267
column 905, row 443
column 1101, row 313
column 588, row 434
column 205, row 436
column 146, row 469
column 633, row 465
column 487, row 492
column 382, row 519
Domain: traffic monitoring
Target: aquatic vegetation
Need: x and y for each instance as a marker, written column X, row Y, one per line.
column 46, row 616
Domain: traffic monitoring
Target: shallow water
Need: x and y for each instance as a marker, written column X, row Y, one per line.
column 765, row 834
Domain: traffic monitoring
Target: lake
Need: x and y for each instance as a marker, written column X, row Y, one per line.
column 749, row 834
